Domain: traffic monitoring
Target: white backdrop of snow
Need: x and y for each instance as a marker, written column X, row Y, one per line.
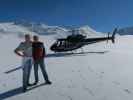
column 104, row 72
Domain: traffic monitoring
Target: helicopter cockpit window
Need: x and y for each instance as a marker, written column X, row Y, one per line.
column 58, row 43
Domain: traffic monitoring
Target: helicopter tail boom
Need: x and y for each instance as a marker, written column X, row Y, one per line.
column 113, row 35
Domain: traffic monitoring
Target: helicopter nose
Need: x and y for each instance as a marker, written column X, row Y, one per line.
column 51, row 48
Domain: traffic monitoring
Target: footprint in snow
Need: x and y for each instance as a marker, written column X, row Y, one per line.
column 127, row 91
column 89, row 91
column 100, row 75
column 102, row 72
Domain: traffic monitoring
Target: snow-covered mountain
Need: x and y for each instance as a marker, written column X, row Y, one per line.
column 44, row 29
column 22, row 27
column 126, row 31
column 10, row 28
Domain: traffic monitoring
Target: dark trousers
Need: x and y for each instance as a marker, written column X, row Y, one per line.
column 37, row 63
column 26, row 72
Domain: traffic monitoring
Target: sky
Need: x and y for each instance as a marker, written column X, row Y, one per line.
column 101, row 15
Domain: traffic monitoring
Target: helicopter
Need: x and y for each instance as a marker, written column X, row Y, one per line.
column 76, row 41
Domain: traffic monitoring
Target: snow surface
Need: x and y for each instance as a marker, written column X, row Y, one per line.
column 103, row 72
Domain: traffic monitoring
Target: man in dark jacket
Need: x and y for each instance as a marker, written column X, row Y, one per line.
column 38, row 54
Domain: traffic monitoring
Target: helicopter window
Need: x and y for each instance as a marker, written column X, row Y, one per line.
column 58, row 43
column 62, row 43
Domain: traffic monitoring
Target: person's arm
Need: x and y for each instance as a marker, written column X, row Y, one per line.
column 19, row 53
column 33, row 50
column 19, row 50
column 44, row 51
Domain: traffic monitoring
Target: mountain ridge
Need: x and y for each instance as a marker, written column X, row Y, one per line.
column 21, row 28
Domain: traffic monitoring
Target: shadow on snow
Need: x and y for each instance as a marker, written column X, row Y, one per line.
column 17, row 91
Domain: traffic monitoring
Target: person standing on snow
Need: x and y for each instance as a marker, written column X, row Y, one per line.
column 24, row 50
column 38, row 54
